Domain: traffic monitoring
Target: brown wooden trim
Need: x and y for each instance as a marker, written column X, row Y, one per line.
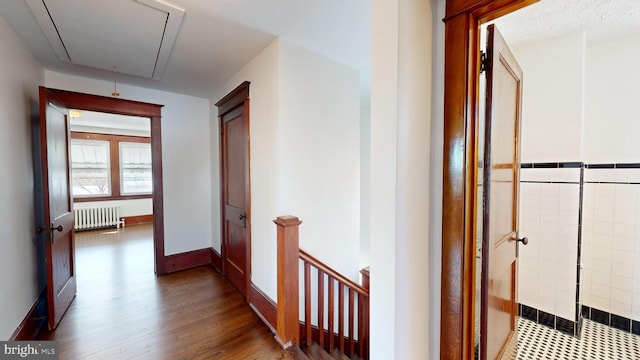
column 216, row 260
column 110, row 105
column 109, row 137
column 263, row 305
column 140, row 219
column 462, row 56
column 114, row 167
column 235, row 98
column 187, row 260
column 105, row 104
column 33, row 323
column 158, row 198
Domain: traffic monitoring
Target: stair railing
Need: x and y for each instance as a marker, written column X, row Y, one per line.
column 350, row 334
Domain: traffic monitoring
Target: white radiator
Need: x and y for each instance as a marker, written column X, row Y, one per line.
column 97, row 217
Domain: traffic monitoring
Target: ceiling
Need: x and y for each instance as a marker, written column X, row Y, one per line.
column 216, row 38
column 601, row 20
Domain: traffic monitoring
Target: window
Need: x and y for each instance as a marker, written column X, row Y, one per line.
column 135, row 168
column 110, row 167
column 90, row 168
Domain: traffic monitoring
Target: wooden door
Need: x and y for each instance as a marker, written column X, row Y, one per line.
column 58, row 217
column 498, row 335
column 234, row 132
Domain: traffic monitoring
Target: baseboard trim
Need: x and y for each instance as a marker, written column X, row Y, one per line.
column 187, row 260
column 133, row 220
column 216, row 260
column 34, row 322
column 263, row 306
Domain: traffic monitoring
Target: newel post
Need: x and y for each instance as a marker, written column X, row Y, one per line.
column 288, row 281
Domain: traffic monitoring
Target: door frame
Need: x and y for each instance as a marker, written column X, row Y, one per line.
column 237, row 97
column 110, row 105
column 460, row 163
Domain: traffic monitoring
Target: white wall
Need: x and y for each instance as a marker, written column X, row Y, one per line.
column 612, row 93
column 304, row 156
column 20, row 76
column 552, row 106
column 413, row 177
column 186, row 158
column 319, row 150
column 135, row 207
column 611, row 238
column 436, row 183
column 400, row 175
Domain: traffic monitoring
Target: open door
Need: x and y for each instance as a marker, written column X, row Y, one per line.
column 58, row 217
column 500, row 238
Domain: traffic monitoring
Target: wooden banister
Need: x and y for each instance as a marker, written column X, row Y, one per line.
column 329, row 271
column 352, row 299
column 287, row 327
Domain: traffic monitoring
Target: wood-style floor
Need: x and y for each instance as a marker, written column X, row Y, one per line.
column 123, row 311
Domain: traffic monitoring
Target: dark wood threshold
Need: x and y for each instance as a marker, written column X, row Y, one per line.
column 35, row 321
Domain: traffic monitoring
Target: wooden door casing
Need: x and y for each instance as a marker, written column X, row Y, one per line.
column 89, row 102
column 233, row 111
column 459, row 198
column 498, row 335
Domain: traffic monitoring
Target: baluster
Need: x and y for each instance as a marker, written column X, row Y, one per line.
column 330, row 283
column 360, row 324
column 341, row 315
column 307, row 302
column 363, row 313
column 351, row 316
column 321, row 308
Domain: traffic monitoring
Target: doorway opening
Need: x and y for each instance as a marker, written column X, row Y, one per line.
column 112, row 188
column 144, row 113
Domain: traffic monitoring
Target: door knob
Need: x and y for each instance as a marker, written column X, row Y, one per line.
column 524, row 240
column 59, row 228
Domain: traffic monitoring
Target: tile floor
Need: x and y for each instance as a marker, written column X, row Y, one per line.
column 598, row 342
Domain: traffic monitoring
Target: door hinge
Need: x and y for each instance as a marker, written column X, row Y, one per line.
column 484, row 62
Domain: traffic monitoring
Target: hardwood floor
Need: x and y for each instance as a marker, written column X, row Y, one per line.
column 123, row 311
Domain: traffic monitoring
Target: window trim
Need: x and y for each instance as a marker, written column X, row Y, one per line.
column 114, row 163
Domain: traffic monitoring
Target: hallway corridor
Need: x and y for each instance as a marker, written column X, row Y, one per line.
column 123, row 311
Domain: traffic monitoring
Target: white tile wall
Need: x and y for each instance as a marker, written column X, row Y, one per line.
column 611, row 242
column 549, row 218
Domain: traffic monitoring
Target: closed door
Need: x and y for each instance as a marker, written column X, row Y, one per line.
column 498, row 335
column 236, row 249
column 58, row 217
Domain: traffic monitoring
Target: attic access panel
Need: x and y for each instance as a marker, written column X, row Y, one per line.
column 135, row 36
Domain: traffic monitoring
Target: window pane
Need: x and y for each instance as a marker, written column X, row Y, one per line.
column 135, row 168
column 90, row 173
